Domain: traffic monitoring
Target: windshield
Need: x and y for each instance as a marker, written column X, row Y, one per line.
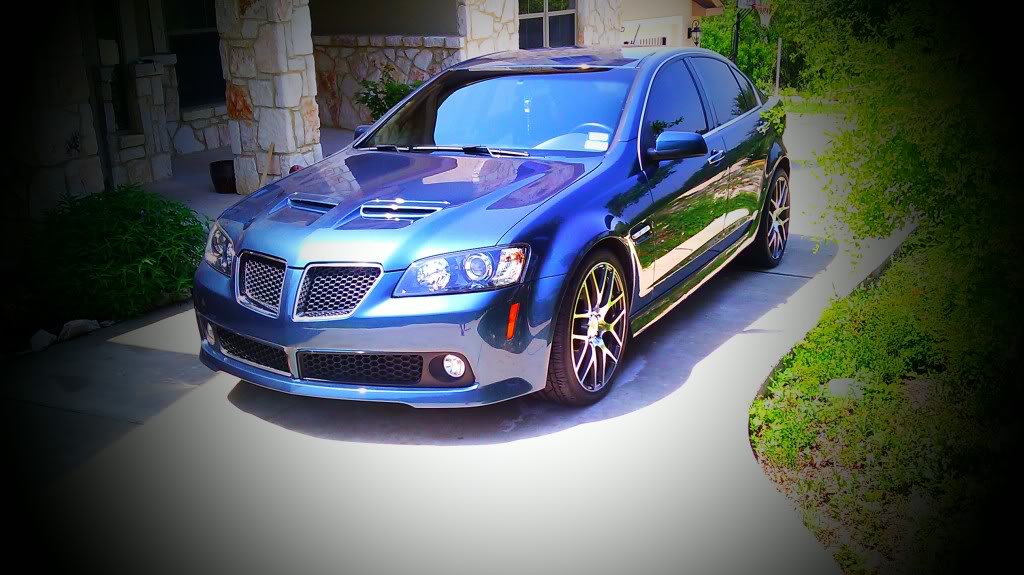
column 559, row 110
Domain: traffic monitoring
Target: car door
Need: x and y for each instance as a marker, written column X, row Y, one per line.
column 736, row 105
column 690, row 196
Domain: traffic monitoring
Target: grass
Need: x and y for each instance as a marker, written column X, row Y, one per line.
column 796, row 103
column 897, row 474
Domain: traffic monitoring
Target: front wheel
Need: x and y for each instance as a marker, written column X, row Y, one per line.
column 773, row 232
column 591, row 332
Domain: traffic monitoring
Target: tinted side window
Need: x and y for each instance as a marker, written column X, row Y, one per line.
column 721, row 88
column 674, row 104
column 748, row 98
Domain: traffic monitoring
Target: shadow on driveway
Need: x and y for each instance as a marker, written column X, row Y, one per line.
column 659, row 362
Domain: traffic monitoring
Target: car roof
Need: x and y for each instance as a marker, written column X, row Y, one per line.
column 587, row 57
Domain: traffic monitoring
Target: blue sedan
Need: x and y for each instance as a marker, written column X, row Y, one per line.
column 504, row 230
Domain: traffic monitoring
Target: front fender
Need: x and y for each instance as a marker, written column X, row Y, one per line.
column 562, row 232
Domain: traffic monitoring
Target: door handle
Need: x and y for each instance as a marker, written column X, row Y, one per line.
column 762, row 127
column 716, row 156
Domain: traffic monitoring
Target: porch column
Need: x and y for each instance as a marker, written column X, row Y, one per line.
column 488, row 25
column 266, row 52
column 598, row 22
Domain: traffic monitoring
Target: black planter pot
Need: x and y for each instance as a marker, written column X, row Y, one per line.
column 222, row 172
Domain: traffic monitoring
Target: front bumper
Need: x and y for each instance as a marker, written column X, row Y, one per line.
column 472, row 325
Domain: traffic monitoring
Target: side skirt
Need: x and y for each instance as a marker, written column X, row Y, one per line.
column 667, row 302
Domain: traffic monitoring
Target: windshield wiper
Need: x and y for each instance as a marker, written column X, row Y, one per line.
column 472, row 150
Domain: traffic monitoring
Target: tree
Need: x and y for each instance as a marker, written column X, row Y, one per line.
column 757, row 50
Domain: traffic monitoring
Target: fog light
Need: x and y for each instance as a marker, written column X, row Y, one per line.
column 210, row 337
column 454, row 366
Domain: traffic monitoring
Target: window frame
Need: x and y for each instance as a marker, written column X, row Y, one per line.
column 187, row 34
column 545, row 15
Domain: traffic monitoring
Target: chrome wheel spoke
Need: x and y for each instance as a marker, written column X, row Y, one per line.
column 611, row 304
column 599, row 309
column 612, row 324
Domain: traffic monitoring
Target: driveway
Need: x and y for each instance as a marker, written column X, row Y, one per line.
column 659, row 477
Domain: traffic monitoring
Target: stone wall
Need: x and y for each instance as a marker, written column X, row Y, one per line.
column 343, row 61
column 196, row 128
column 54, row 124
column 200, row 128
column 488, row 26
column 138, row 146
column 267, row 58
column 599, row 22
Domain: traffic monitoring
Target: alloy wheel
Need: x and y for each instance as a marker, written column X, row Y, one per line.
column 778, row 213
column 598, row 327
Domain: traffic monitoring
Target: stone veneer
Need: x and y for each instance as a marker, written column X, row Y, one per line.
column 57, row 151
column 195, row 128
column 342, row 61
column 267, row 59
column 488, row 26
column 200, row 128
column 599, row 22
column 139, row 153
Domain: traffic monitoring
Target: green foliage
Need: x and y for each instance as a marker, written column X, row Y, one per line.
column 381, row 95
column 886, row 478
column 901, row 478
column 776, row 118
column 113, row 255
column 757, row 50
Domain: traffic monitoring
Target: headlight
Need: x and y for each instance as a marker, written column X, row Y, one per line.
column 220, row 251
column 472, row 270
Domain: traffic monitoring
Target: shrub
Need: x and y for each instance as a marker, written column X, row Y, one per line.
column 892, row 478
column 113, row 255
column 381, row 95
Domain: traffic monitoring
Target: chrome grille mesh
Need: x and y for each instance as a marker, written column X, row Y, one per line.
column 331, row 291
column 261, row 280
column 384, row 369
column 252, row 351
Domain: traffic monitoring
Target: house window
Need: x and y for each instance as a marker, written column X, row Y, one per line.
column 192, row 36
column 547, row 23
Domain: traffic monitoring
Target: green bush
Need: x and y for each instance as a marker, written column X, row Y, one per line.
column 113, row 255
column 890, row 478
column 381, row 95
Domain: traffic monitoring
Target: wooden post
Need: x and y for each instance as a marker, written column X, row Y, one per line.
column 778, row 66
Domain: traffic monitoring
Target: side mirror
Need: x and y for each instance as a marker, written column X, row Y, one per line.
column 360, row 130
column 677, row 146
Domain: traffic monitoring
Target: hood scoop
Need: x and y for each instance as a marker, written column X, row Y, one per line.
column 311, row 205
column 400, row 209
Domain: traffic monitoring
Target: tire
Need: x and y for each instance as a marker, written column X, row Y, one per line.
column 769, row 246
column 589, row 339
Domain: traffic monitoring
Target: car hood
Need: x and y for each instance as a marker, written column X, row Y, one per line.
column 316, row 214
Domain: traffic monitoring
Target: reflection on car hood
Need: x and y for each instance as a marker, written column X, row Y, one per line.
column 314, row 214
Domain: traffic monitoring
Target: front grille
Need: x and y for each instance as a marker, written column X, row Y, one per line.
column 361, row 367
column 252, row 351
column 334, row 291
column 260, row 280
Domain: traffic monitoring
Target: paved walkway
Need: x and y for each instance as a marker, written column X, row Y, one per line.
column 659, row 477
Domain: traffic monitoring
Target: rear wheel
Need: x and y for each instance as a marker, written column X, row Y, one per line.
column 591, row 333
column 773, row 232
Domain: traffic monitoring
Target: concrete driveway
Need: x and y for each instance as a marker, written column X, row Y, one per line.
column 659, row 477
